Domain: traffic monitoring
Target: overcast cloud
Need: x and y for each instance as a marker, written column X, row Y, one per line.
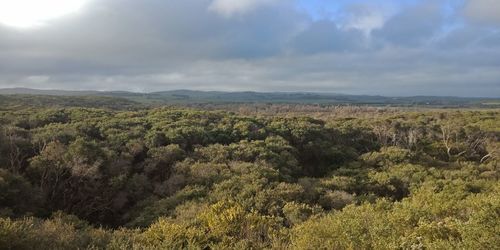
column 406, row 47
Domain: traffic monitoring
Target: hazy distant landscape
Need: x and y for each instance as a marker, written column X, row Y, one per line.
column 220, row 97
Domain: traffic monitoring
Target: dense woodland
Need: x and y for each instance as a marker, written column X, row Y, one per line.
column 247, row 177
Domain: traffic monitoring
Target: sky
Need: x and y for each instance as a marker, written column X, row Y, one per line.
column 374, row 47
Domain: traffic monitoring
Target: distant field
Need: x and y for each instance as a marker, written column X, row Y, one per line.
column 491, row 103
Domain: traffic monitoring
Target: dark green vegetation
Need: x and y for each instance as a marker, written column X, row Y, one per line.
column 16, row 102
column 218, row 97
column 128, row 177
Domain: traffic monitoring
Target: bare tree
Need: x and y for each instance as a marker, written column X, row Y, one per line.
column 493, row 150
column 14, row 153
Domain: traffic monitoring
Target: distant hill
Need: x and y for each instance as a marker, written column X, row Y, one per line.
column 191, row 96
column 21, row 101
column 26, row 91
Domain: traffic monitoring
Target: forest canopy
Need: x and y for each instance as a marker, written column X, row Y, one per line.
column 133, row 177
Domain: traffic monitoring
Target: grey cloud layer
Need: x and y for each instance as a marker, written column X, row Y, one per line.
column 483, row 10
column 265, row 45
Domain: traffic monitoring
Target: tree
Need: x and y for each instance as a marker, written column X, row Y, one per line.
column 16, row 148
column 493, row 150
column 17, row 196
column 160, row 161
column 50, row 171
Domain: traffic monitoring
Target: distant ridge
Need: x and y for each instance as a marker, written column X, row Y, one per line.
column 195, row 96
column 27, row 91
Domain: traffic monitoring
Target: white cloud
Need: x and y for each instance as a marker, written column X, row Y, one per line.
column 18, row 14
column 365, row 17
column 483, row 10
column 367, row 23
column 229, row 8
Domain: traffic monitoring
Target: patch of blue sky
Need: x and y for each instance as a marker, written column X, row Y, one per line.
column 335, row 9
